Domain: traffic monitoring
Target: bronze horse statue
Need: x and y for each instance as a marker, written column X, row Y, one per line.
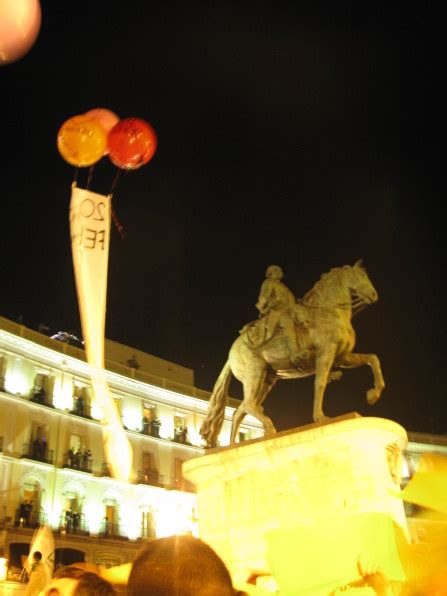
column 327, row 341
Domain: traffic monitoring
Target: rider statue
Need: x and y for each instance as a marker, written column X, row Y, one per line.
column 277, row 307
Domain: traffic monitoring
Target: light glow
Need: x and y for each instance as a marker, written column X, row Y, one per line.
column 132, row 416
column 3, row 569
column 63, row 393
column 16, row 382
column 94, row 514
column 167, row 426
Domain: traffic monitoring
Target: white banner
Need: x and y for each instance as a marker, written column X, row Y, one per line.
column 90, row 216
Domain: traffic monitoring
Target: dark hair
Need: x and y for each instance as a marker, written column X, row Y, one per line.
column 37, row 555
column 179, row 565
column 71, row 571
column 89, row 583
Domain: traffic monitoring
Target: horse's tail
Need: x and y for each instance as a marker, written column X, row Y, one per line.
column 212, row 424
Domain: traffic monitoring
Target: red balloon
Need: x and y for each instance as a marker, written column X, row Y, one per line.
column 131, row 143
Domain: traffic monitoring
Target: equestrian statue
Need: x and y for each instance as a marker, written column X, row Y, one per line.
column 292, row 339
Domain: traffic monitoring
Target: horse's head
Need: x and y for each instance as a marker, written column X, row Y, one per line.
column 360, row 285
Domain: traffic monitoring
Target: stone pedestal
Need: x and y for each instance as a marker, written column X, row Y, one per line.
column 348, row 465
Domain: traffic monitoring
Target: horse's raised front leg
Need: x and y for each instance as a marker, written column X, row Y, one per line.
column 355, row 360
column 323, row 366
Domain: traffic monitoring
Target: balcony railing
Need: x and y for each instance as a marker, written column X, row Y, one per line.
column 40, row 397
column 38, row 451
column 80, row 408
column 78, row 460
column 109, row 530
column 151, row 477
column 73, row 523
column 151, row 428
column 181, row 436
column 25, row 517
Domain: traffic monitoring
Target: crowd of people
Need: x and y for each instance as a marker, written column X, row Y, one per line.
column 80, row 459
column 188, row 566
column 177, row 565
column 39, row 449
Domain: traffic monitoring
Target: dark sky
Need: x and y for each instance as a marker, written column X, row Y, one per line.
column 289, row 133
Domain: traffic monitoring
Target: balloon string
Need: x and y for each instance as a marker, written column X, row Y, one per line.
column 90, row 174
column 118, row 224
column 75, row 176
column 115, row 181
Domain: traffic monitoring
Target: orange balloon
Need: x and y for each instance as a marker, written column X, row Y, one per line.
column 81, row 141
column 19, row 27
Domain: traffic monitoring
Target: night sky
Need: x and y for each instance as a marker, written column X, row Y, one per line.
column 294, row 134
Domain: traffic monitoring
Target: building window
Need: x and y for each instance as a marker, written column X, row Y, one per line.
column 180, row 429
column 110, row 523
column 72, row 519
column 30, row 514
column 147, row 525
column 150, row 422
column 81, row 400
column 2, row 371
column 78, row 457
column 40, row 384
column 149, row 411
column 76, row 442
column 37, row 448
column 149, row 473
column 148, row 461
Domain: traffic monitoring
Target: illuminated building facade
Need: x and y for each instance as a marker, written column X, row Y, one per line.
column 52, row 465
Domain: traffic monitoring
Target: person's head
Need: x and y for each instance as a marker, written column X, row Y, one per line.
column 179, row 566
column 73, row 581
column 274, row 272
column 37, row 556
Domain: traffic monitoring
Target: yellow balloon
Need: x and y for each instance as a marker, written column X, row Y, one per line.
column 81, row 141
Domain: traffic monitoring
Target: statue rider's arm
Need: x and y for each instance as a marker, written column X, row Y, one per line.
column 265, row 299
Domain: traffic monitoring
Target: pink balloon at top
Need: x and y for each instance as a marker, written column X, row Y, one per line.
column 19, row 26
column 105, row 117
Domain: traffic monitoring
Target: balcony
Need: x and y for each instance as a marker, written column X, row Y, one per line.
column 38, row 451
column 80, row 408
column 151, row 427
column 181, row 435
column 150, row 477
column 109, row 530
column 40, row 397
column 25, row 517
column 73, row 523
column 79, row 460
